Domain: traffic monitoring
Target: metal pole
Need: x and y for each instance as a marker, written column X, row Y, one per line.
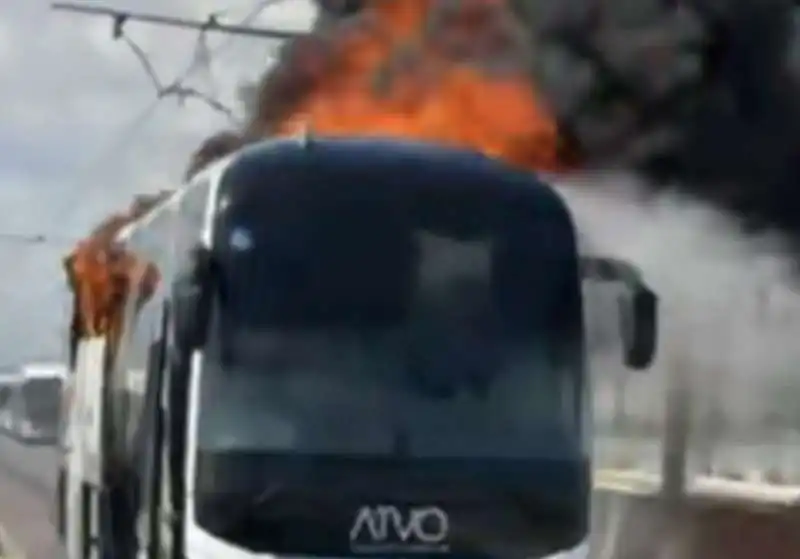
column 676, row 431
column 620, row 420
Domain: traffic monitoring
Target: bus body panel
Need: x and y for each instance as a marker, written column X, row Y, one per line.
column 166, row 237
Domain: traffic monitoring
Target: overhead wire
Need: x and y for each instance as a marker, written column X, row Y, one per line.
column 176, row 88
column 130, row 131
column 36, row 239
column 203, row 58
column 192, row 67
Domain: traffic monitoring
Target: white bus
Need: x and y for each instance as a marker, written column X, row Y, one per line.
column 30, row 401
column 37, row 402
column 348, row 336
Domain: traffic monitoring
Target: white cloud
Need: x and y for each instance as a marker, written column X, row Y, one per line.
column 67, row 152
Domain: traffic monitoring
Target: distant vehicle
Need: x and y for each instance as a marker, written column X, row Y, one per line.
column 32, row 409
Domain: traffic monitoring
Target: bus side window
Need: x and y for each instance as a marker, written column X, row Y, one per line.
column 190, row 220
column 153, row 242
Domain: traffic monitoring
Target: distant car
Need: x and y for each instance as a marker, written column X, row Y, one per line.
column 30, row 402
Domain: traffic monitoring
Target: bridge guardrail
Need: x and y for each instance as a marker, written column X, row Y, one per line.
column 703, row 487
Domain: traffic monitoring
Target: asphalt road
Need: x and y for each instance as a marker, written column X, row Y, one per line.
column 629, row 529
column 27, row 478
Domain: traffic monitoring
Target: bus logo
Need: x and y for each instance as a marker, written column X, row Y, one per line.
column 386, row 528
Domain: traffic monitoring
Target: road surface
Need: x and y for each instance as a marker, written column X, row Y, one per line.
column 27, row 476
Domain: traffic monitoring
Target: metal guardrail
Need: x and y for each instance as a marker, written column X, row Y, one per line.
column 765, row 463
column 638, row 483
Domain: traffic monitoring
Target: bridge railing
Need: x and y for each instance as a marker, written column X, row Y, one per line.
column 742, row 352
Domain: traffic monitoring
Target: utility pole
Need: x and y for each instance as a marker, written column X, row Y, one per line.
column 677, row 419
column 121, row 17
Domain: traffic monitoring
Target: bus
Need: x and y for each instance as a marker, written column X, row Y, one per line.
column 30, row 401
column 359, row 347
column 36, row 404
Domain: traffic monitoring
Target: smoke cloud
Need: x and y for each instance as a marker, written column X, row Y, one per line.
column 702, row 96
column 730, row 314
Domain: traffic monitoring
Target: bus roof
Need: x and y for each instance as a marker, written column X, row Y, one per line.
column 211, row 171
column 450, row 173
column 44, row 370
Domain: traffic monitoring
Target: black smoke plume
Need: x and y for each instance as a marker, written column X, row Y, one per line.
column 701, row 95
column 697, row 95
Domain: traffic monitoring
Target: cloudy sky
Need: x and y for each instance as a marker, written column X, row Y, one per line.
column 79, row 133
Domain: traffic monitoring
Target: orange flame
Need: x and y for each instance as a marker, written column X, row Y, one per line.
column 103, row 275
column 443, row 71
column 456, row 72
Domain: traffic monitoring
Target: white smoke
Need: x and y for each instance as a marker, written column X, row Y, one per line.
column 730, row 310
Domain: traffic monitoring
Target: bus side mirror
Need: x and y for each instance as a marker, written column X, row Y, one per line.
column 638, row 308
column 191, row 301
column 639, row 320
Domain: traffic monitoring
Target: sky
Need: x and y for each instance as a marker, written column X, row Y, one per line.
column 78, row 138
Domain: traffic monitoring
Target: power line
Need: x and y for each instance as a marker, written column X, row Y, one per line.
column 124, row 138
column 35, row 239
column 121, row 17
column 136, row 124
column 205, row 55
column 174, row 88
column 177, row 87
column 246, row 21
